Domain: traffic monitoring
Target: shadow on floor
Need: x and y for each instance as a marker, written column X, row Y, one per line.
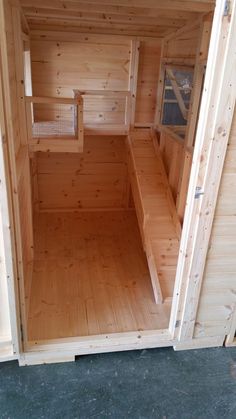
column 156, row 383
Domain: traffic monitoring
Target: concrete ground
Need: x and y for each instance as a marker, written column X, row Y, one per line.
column 157, row 383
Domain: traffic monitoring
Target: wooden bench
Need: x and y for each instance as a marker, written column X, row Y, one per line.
column 158, row 221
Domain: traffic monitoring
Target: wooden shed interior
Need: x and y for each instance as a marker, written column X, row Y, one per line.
column 103, row 98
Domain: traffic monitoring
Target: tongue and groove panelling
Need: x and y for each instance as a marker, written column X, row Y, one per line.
column 59, row 66
column 95, row 179
column 218, row 294
column 61, row 63
column 149, row 64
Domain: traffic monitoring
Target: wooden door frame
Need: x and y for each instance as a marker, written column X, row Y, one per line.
column 213, row 129
column 8, row 238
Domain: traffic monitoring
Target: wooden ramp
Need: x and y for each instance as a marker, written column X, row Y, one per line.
column 158, row 221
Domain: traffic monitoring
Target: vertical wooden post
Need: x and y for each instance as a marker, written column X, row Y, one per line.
column 29, row 117
column 79, row 120
column 160, row 88
column 127, row 111
column 201, row 57
column 34, row 180
column 76, row 113
column 80, row 124
column 133, row 80
column 19, row 64
column 231, row 340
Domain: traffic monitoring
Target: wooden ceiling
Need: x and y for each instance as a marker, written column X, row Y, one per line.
column 151, row 18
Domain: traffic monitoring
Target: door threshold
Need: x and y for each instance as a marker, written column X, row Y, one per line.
column 66, row 349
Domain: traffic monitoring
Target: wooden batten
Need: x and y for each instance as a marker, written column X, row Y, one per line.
column 133, row 80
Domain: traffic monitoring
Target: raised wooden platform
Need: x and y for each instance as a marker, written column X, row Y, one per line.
column 158, row 221
column 91, row 277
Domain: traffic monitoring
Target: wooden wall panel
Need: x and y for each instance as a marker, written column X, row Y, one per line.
column 96, row 179
column 172, row 153
column 60, row 66
column 13, row 91
column 184, row 46
column 97, row 110
column 149, row 63
column 218, row 294
column 5, row 327
column 64, row 65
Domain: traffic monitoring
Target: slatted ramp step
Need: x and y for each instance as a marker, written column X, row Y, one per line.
column 158, row 221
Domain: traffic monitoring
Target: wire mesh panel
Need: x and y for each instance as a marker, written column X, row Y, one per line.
column 55, row 124
column 177, row 93
column 54, row 120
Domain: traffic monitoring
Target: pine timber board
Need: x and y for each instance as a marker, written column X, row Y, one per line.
column 172, row 152
column 60, row 65
column 143, row 18
column 148, row 73
column 182, row 48
column 91, row 277
column 95, row 179
column 156, row 212
column 216, row 311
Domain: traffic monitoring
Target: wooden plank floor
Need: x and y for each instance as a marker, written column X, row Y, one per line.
column 90, row 277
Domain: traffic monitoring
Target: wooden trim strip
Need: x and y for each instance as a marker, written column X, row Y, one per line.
column 37, row 99
column 113, row 93
column 133, row 80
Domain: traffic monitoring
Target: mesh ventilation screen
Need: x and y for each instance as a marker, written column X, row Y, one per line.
column 171, row 112
column 54, row 120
